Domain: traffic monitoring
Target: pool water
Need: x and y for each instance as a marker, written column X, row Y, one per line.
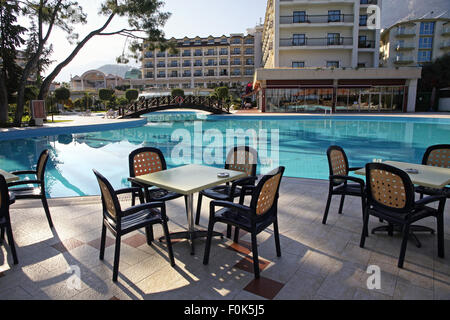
column 302, row 145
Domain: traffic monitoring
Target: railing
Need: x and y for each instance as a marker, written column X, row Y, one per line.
column 173, row 75
column 186, row 54
column 198, row 64
column 223, row 53
column 160, row 55
column 214, row 53
column 198, row 54
column 317, row 42
column 236, row 53
column 404, row 46
column 223, row 63
column 445, row 44
column 198, row 75
column 235, row 74
column 149, row 65
column 236, row 63
column 212, row 74
column 405, row 32
column 161, row 75
column 446, row 31
column 161, row 65
column 210, row 64
column 173, row 65
column 317, row 18
column 403, row 59
column 369, row 44
column 186, row 64
column 223, row 73
column 186, row 75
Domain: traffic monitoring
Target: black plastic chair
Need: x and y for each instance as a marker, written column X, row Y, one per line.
column 144, row 161
column 390, row 196
column 339, row 178
column 37, row 192
column 244, row 159
column 437, row 156
column 6, row 199
column 261, row 213
column 121, row 222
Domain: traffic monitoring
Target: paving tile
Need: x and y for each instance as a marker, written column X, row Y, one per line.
column 264, row 287
column 246, row 264
column 67, row 245
column 243, row 247
column 96, row 243
column 136, row 240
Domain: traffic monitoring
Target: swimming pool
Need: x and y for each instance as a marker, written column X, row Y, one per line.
column 303, row 141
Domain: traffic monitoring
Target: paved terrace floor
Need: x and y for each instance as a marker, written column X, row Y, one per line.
column 318, row 261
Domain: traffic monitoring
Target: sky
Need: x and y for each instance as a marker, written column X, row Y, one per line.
column 189, row 18
column 195, row 18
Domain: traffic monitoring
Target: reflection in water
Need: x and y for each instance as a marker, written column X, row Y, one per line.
column 302, row 147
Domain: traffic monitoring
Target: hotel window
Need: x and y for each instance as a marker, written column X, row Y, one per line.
column 424, row 56
column 210, row 52
column 198, row 73
column 187, row 43
column 186, row 85
column 237, row 72
column 332, row 64
column 361, row 64
column 236, row 41
column 249, row 41
column 334, row 15
column 198, row 63
column 427, row 28
column 299, row 16
column 236, row 62
column 363, row 20
column 298, row 64
column 334, row 39
column 248, row 72
column 186, row 53
column 224, row 41
column 236, row 51
column 187, row 73
column 223, row 62
column 197, row 52
column 426, row 43
column 223, row 51
column 362, row 42
column 249, row 51
column 249, row 62
column 211, row 41
column 198, row 42
column 298, row 39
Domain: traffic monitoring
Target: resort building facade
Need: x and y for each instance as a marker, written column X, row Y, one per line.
column 415, row 42
column 204, row 62
column 320, row 56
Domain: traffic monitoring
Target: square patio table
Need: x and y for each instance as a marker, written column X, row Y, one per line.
column 427, row 176
column 187, row 180
column 9, row 177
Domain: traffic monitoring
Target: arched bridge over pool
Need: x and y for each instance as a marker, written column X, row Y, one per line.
column 148, row 105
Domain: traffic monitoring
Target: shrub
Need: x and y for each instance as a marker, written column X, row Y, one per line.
column 131, row 94
column 177, row 92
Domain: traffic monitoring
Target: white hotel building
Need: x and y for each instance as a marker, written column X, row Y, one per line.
column 319, row 55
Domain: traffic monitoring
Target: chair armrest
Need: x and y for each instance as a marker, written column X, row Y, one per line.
column 241, row 209
column 353, row 169
column 348, row 178
column 16, row 173
column 430, row 199
column 23, row 182
column 128, row 190
column 245, row 181
column 144, row 206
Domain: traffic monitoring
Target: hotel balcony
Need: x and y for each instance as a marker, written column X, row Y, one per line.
column 149, row 55
column 405, row 47
column 198, row 64
column 198, row 74
column 338, row 18
column 445, row 45
column 149, row 65
column 187, row 65
column 210, row 74
column 161, row 55
column 407, row 33
column 249, row 53
column 400, row 60
column 223, row 63
column 367, row 44
column 198, row 54
column 173, row 75
column 161, row 65
column 236, row 63
column 187, row 75
column 173, row 65
column 214, row 53
column 186, row 54
column 161, row 76
column 223, row 73
column 149, row 76
column 236, row 53
column 210, row 64
column 236, row 74
column 446, row 32
column 223, row 53
column 316, row 42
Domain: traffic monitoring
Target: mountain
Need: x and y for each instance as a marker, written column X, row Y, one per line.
column 396, row 10
column 115, row 69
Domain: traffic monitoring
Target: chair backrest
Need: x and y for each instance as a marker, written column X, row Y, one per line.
column 265, row 196
column 41, row 165
column 110, row 202
column 4, row 197
column 146, row 160
column 437, row 156
column 243, row 159
column 337, row 161
column 389, row 188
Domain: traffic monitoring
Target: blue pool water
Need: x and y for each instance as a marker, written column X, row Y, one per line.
column 303, row 142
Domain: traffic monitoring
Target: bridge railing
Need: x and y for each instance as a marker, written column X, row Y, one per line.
column 171, row 101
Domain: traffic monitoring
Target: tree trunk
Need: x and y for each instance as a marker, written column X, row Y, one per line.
column 433, row 99
column 3, row 103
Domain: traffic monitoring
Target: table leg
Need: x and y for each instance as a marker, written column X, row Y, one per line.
column 413, row 229
column 191, row 234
